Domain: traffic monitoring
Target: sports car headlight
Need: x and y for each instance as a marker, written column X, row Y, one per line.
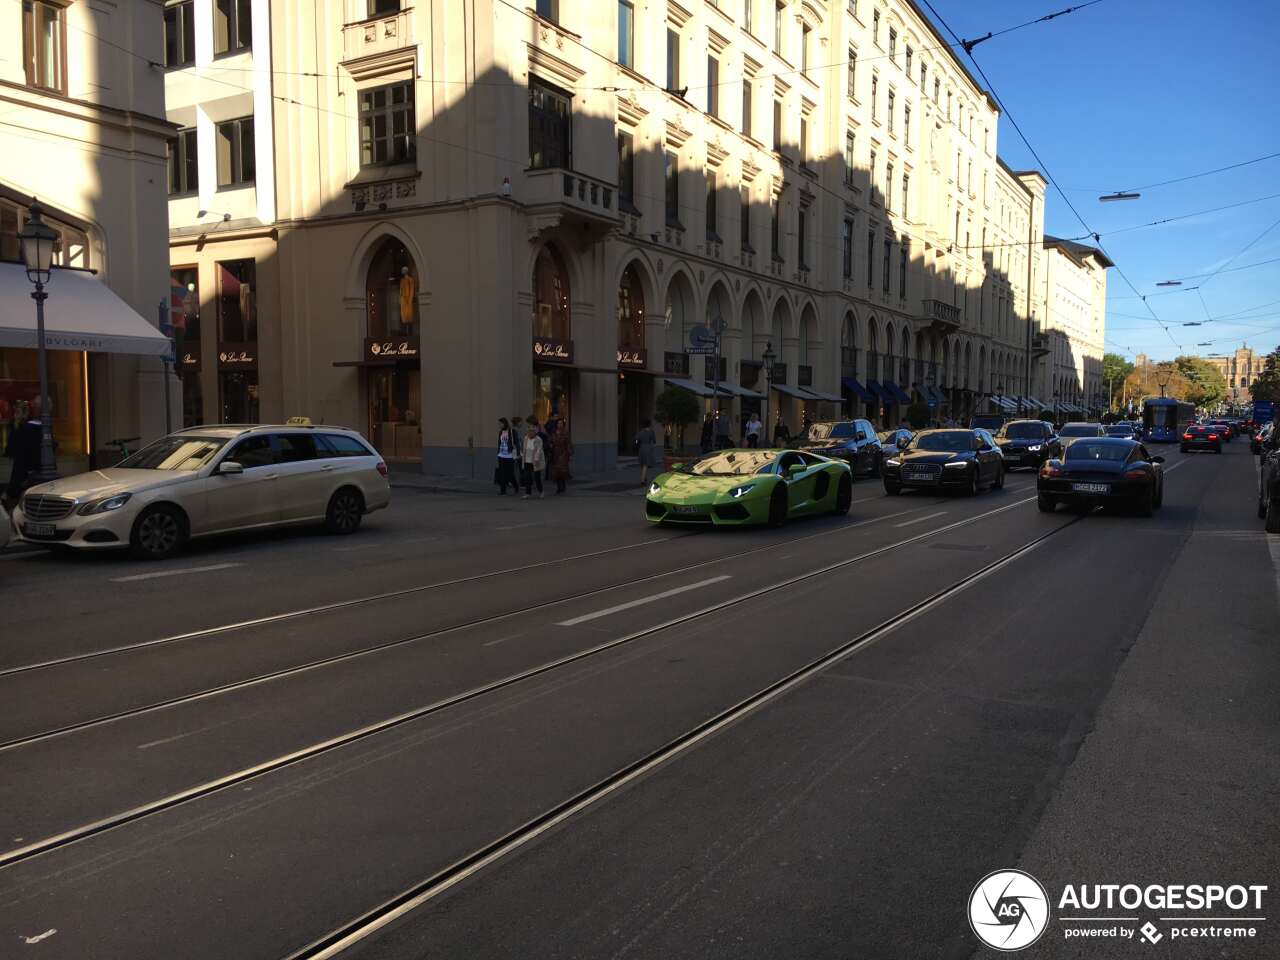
column 105, row 505
column 893, row 462
column 741, row 491
column 654, row 489
column 1035, row 447
column 956, row 463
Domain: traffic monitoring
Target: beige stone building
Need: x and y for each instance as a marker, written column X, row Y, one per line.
column 1240, row 370
column 82, row 129
column 1075, row 290
column 511, row 207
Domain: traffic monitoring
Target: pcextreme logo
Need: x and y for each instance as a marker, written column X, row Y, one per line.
column 1009, row 910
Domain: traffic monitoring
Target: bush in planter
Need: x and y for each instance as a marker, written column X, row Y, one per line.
column 918, row 415
column 676, row 408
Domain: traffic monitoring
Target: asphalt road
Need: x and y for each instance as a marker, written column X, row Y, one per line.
column 491, row 728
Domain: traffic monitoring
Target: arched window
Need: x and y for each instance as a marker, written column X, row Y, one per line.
column 551, row 296
column 391, row 288
column 848, row 346
column 630, row 311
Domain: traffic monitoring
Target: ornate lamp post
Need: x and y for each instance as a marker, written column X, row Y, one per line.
column 767, row 358
column 37, row 240
column 1000, row 397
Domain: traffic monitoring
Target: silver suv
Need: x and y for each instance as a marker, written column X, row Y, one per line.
column 206, row 480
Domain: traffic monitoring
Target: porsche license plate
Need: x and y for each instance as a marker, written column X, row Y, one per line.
column 1090, row 488
column 38, row 530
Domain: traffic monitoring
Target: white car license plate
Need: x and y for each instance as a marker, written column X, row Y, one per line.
column 1090, row 487
column 38, row 530
column 918, row 475
column 686, row 508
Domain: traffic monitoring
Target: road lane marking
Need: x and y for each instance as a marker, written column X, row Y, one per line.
column 40, row 936
column 641, row 602
column 494, row 643
column 384, row 544
column 174, row 573
column 907, row 523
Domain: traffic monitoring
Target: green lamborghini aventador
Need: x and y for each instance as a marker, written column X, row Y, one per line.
column 742, row 487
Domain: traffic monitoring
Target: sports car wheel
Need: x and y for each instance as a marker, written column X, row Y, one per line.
column 972, row 489
column 844, row 496
column 998, row 482
column 1160, row 495
column 1273, row 516
column 1147, row 504
column 892, row 489
column 778, row 507
column 1046, row 504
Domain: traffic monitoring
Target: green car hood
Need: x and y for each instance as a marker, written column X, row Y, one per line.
column 685, row 488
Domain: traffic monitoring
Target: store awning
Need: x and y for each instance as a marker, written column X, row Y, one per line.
column 899, row 395
column 734, row 390
column 1036, row 404
column 789, row 391
column 692, row 386
column 1004, row 403
column 858, row 390
column 933, row 393
column 819, row 395
column 82, row 313
column 880, row 391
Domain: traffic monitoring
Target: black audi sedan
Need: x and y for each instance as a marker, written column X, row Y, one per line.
column 853, row 441
column 962, row 460
column 1027, row 443
column 1200, row 436
column 1109, row 471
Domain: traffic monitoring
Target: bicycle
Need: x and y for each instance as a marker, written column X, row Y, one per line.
column 121, row 446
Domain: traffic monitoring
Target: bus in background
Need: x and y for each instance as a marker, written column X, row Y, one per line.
column 1163, row 418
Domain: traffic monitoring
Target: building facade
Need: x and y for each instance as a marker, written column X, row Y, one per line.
column 491, row 209
column 1240, row 370
column 1075, row 290
column 82, row 130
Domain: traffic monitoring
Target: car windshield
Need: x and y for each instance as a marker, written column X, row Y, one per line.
column 182, row 454
column 1080, row 430
column 1022, row 431
column 1122, row 430
column 831, row 431
column 944, row 441
column 1097, row 451
column 734, row 463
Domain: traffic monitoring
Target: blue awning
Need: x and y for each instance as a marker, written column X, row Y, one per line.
column 899, row 395
column 879, row 390
column 857, row 389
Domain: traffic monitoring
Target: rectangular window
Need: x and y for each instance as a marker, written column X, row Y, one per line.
column 775, row 238
column 906, row 193
column 906, row 124
column 673, row 60
column 804, row 49
column 804, row 141
column 180, row 34
column 871, row 258
column 924, row 76
column 846, row 248
column 748, row 18
column 713, row 214
column 893, row 44
column 889, row 109
column 232, row 26
column 802, row 230
column 778, row 14
column 902, row 272
column 673, row 190
column 746, row 106
column 853, row 7
column 936, row 85
column 549, row 10
column 44, row 45
column 626, row 34
column 237, row 304
column 550, row 127
column 875, row 26
column 387, row 132
column 236, row 159
column 378, row 8
column 848, row 158
column 907, row 62
column 183, row 163
column 948, row 106
column 888, row 185
column 875, row 88
column 871, row 172
column 888, row 256
column 850, row 81
column 777, row 126
column 968, row 178
column 626, row 172
column 713, row 86
column 744, row 219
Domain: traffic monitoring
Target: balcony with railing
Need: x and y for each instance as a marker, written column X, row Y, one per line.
column 378, row 35
column 563, row 196
column 938, row 316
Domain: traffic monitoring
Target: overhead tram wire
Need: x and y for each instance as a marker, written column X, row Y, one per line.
column 1048, row 173
column 1190, row 176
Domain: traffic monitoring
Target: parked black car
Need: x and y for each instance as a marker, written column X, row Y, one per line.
column 1269, row 481
column 1027, row 443
column 1200, row 436
column 891, row 440
column 961, row 460
column 853, row 441
column 1103, row 470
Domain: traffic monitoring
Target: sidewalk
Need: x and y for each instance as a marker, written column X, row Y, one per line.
column 621, row 482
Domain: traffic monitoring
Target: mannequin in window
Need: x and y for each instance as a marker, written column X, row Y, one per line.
column 407, row 289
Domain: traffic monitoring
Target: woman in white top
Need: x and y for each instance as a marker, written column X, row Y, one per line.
column 505, row 472
column 535, row 459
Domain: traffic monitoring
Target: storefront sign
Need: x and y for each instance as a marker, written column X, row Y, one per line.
column 779, row 373
column 237, row 356
column 548, row 350
column 189, row 358
column 675, row 364
column 631, row 359
column 396, row 348
column 804, row 376
column 711, row 373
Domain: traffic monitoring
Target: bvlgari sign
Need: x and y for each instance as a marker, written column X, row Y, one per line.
column 549, row 350
column 391, row 348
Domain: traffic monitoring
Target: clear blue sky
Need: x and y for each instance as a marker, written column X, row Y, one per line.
column 1130, row 92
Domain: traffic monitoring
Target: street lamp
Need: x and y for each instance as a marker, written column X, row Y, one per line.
column 1000, row 397
column 1119, row 195
column 767, row 358
column 37, row 240
column 1162, row 378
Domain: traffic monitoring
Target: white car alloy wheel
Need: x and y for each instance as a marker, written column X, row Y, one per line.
column 158, row 533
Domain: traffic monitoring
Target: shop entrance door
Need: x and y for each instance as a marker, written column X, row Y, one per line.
column 395, row 403
column 630, row 401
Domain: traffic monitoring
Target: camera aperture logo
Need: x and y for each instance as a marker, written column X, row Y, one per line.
column 1008, row 910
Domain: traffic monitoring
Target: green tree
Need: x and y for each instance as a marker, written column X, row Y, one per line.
column 1267, row 386
column 1115, row 369
column 1206, row 386
column 676, row 408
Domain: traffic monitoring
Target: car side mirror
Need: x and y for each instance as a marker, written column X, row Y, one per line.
column 229, row 467
column 1156, row 460
column 903, row 443
column 978, row 444
column 796, row 468
column 860, row 436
